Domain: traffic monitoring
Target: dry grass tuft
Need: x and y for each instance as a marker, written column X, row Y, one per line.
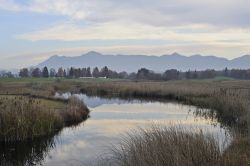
column 75, row 112
column 171, row 146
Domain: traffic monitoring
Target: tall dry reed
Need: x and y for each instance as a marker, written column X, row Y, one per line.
column 171, row 146
column 25, row 117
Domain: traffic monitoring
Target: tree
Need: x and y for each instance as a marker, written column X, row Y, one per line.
column 60, row 72
column 143, row 73
column 36, row 72
column 6, row 74
column 77, row 73
column 132, row 76
column 208, row 74
column 71, row 72
column 112, row 74
column 226, row 72
column 188, row 74
column 52, row 72
column 172, row 74
column 96, row 72
column 45, row 72
column 123, row 74
column 88, row 72
column 195, row 75
column 24, row 72
column 105, row 71
column 64, row 73
column 84, row 72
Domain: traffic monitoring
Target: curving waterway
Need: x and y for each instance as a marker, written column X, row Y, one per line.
column 109, row 120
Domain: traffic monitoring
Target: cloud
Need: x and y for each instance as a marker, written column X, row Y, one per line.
column 189, row 26
column 9, row 5
column 104, row 31
column 157, row 13
column 132, row 31
column 176, row 20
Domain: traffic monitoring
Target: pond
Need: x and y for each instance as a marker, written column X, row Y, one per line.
column 109, row 120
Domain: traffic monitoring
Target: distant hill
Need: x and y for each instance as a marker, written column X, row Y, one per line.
column 132, row 63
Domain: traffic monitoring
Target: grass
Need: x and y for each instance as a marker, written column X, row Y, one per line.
column 52, row 104
column 229, row 101
column 23, row 117
column 229, row 98
column 48, row 80
column 75, row 112
column 172, row 146
column 222, row 78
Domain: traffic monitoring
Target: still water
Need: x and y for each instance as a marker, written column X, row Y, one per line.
column 109, row 120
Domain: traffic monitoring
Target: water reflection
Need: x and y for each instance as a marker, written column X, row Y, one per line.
column 95, row 101
column 29, row 152
column 109, row 118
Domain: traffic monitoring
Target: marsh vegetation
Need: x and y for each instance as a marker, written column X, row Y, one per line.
column 23, row 117
column 160, row 145
column 228, row 100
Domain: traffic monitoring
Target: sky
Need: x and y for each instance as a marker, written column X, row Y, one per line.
column 33, row 30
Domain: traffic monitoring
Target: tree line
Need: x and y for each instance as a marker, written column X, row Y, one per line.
column 6, row 74
column 142, row 74
column 174, row 74
column 72, row 72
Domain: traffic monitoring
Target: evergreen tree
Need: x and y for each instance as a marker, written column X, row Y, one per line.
column 60, row 72
column 105, row 72
column 96, row 72
column 45, row 72
column 64, row 73
column 71, row 72
column 88, row 72
column 52, row 72
column 226, row 72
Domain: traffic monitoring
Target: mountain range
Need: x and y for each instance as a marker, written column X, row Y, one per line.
column 131, row 63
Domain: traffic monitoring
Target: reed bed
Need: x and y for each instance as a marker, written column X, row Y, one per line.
column 75, row 111
column 172, row 146
column 229, row 102
column 230, row 99
column 23, row 117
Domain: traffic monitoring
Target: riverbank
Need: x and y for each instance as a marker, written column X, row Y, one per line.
column 25, row 117
column 228, row 99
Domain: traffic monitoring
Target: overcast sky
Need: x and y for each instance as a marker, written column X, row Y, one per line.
column 32, row 30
